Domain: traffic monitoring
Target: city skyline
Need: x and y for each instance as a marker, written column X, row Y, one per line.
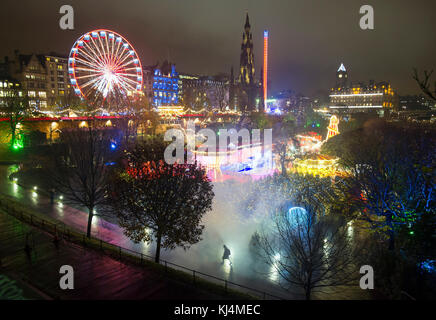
column 303, row 55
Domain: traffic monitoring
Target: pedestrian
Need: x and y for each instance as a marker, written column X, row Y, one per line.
column 56, row 240
column 52, row 194
column 226, row 254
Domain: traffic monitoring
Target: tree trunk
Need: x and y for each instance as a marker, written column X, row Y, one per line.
column 13, row 129
column 391, row 233
column 283, row 168
column 90, row 216
column 308, row 292
column 159, row 239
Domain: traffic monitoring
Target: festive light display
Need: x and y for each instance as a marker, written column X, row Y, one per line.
column 170, row 112
column 317, row 165
column 103, row 64
column 333, row 127
column 309, row 142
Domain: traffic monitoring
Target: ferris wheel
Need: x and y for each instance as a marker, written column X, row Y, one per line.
column 103, row 66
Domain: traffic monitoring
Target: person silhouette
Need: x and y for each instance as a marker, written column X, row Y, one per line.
column 52, row 194
column 226, row 254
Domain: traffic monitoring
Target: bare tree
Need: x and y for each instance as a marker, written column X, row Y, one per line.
column 15, row 106
column 69, row 101
column 142, row 117
column 221, row 96
column 283, row 153
column 424, row 84
column 390, row 181
column 308, row 250
column 78, row 168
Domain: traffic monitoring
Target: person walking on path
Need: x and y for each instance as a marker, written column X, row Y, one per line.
column 52, row 194
column 226, row 254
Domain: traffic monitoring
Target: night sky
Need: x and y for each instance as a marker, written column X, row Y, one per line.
column 308, row 38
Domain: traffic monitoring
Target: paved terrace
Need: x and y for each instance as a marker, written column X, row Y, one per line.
column 97, row 276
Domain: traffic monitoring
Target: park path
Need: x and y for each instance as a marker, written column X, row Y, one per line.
column 96, row 276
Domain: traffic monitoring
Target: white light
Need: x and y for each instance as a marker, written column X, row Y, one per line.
column 356, row 95
column 356, row 107
column 35, row 188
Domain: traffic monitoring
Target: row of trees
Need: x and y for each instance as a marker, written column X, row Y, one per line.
column 391, row 176
column 153, row 201
column 387, row 193
column 15, row 107
column 391, row 187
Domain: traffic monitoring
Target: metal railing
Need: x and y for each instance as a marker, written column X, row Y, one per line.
column 61, row 231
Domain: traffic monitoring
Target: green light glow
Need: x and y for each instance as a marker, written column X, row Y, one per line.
column 18, row 144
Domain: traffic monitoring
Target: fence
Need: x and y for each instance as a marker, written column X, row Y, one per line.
column 61, row 231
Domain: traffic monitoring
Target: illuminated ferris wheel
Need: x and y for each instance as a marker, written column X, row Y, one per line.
column 103, row 66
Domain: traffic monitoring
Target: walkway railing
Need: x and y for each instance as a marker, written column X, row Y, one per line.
column 61, row 231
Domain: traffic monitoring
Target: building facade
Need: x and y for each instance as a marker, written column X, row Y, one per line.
column 162, row 84
column 360, row 97
column 8, row 86
column 57, row 78
column 415, row 102
column 205, row 92
column 43, row 78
